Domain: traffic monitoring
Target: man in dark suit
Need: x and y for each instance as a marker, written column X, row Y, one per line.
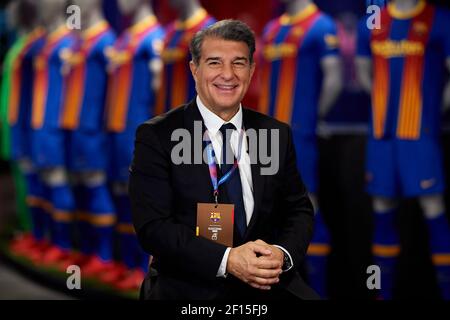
column 272, row 213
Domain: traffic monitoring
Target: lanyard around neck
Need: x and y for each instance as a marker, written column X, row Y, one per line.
column 212, row 164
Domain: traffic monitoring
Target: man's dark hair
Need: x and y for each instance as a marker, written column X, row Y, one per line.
column 233, row 30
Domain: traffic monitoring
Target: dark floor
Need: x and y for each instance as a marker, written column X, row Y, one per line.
column 14, row 286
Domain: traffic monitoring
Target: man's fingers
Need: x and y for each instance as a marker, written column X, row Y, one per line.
column 261, row 249
column 266, row 273
column 259, row 241
column 267, row 263
column 264, row 281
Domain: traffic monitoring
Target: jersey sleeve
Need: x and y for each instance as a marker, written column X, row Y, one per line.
column 327, row 35
column 363, row 40
column 107, row 41
column 156, row 44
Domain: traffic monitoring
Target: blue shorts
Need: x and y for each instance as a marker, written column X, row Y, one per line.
column 404, row 168
column 48, row 148
column 87, row 150
column 121, row 147
column 307, row 161
column 20, row 142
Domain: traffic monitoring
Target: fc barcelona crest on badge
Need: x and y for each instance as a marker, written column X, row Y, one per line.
column 215, row 217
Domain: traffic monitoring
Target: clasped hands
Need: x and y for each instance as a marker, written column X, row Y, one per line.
column 256, row 263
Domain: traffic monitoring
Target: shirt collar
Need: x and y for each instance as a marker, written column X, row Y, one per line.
column 213, row 122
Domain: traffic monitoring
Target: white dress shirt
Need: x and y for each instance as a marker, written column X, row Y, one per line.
column 213, row 123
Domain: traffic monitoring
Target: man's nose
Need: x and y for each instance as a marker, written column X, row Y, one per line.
column 227, row 71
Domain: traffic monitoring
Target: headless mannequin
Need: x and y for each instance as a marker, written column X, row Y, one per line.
column 332, row 74
column 433, row 205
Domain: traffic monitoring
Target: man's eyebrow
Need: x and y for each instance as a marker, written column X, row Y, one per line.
column 240, row 58
column 212, row 59
column 218, row 59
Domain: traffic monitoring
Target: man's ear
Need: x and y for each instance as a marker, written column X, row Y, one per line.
column 193, row 68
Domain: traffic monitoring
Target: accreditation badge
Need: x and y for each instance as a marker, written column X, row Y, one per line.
column 215, row 222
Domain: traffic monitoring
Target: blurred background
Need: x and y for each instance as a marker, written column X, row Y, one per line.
column 29, row 271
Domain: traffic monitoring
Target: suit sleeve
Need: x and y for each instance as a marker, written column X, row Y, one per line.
column 158, row 231
column 297, row 215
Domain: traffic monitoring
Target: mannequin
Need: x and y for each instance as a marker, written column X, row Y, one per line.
column 420, row 177
column 178, row 86
column 135, row 66
column 16, row 108
column 307, row 56
column 48, row 148
column 82, row 115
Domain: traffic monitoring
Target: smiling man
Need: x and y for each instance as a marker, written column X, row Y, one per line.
column 272, row 214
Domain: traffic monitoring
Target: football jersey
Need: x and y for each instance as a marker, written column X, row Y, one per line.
column 21, row 93
column 291, row 76
column 48, row 83
column 408, row 53
column 178, row 86
column 131, row 99
column 19, row 109
column 86, row 79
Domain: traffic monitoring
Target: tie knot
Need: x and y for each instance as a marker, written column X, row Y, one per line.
column 226, row 127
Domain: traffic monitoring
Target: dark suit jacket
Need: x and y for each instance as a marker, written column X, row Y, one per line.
column 164, row 199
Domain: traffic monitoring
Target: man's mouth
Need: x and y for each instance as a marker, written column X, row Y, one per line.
column 226, row 87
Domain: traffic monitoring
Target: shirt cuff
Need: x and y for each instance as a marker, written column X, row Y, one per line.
column 289, row 256
column 222, row 272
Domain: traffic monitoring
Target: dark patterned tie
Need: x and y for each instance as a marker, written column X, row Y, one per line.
column 233, row 185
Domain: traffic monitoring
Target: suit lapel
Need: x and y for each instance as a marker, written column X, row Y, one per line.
column 257, row 179
column 192, row 114
column 201, row 171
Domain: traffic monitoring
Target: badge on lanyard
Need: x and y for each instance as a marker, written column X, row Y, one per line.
column 215, row 221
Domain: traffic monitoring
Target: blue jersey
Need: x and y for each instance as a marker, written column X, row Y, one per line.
column 19, row 112
column 86, row 79
column 131, row 98
column 178, row 86
column 48, row 80
column 291, row 73
column 408, row 53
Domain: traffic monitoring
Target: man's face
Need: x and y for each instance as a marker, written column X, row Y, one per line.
column 223, row 74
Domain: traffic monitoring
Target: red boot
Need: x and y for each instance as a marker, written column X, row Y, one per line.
column 73, row 258
column 132, row 281
column 36, row 252
column 21, row 243
column 96, row 266
column 54, row 256
column 115, row 274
